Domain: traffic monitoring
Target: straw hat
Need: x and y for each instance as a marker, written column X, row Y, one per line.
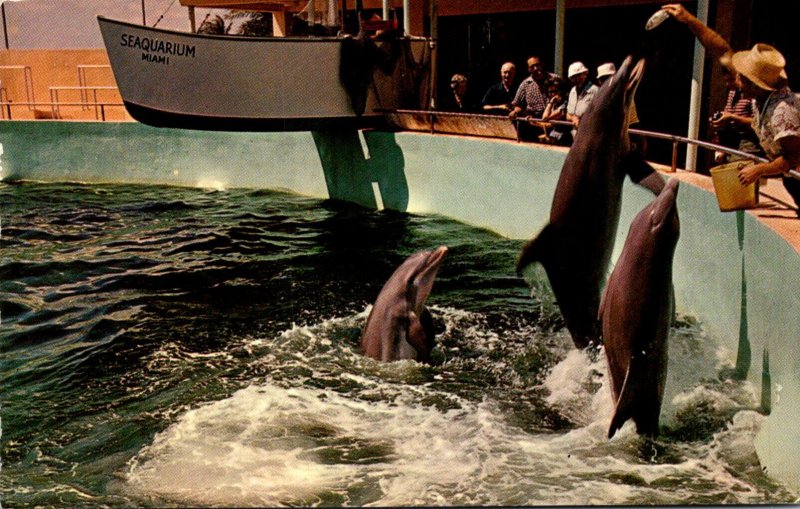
column 576, row 68
column 763, row 65
column 607, row 69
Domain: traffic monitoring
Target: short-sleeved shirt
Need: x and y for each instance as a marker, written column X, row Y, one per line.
column 738, row 104
column 498, row 94
column 579, row 102
column 778, row 118
column 530, row 97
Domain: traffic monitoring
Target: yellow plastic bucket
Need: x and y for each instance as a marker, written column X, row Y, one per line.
column 731, row 194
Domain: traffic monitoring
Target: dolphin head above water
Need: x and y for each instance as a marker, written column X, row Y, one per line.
column 611, row 106
column 399, row 325
column 658, row 224
column 663, row 212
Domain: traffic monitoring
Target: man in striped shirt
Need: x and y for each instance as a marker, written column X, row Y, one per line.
column 733, row 125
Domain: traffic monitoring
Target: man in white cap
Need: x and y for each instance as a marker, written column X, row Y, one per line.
column 761, row 75
column 605, row 71
column 581, row 95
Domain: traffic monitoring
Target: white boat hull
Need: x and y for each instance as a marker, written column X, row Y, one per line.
column 176, row 79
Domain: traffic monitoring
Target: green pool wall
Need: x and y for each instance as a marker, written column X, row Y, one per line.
column 500, row 185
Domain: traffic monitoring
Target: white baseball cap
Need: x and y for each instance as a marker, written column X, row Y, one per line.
column 607, row 69
column 576, row 68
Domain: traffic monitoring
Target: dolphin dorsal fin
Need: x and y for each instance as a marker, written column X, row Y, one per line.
column 537, row 249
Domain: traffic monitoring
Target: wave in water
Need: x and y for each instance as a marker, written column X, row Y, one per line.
column 380, row 437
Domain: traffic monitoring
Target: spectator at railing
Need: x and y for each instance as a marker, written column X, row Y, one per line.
column 581, row 95
column 556, row 109
column 530, row 99
column 733, row 126
column 605, row 71
column 459, row 99
column 497, row 100
column 761, row 74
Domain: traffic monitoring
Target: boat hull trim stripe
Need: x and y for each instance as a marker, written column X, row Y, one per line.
column 160, row 118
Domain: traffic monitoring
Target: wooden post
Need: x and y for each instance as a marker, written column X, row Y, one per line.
column 558, row 58
column 192, row 21
column 279, row 24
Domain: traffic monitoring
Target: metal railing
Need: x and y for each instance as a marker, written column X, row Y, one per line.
column 83, row 80
column 4, row 101
column 464, row 123
column 56, row 103
column 101, row 108
column 27, row 77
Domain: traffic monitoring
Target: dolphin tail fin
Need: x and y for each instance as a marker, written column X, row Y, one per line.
column 636, row 402
column 536, row 249
column 624, row 409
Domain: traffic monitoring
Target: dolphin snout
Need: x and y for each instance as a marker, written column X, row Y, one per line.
column 636, row 75
column 438, row 255
column 666, row 203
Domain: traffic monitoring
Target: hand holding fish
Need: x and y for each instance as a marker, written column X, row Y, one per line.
column 678, row 12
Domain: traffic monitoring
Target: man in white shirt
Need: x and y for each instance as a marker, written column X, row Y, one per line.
column 581, row 95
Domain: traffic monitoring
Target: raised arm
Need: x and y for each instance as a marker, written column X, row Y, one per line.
column 711, row 40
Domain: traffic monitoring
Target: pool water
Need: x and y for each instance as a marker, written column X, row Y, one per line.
column 186, row 347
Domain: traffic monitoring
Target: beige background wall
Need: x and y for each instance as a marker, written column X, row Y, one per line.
column 58, row 68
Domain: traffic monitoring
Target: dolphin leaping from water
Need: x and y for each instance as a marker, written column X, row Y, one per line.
column 399, row 325
column 575, row 246
column 636, row 314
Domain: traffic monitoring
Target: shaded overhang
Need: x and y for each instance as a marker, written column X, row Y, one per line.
column 248, row 5
column 282, row 5
column 467, row 7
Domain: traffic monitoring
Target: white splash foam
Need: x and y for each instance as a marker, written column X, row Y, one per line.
column 251, row 449
column 272, row 446
column 269, row 445
column 239, row 451
column 579, row 388
column 210, row 184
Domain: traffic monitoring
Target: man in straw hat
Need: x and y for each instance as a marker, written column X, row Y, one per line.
column 760, row 74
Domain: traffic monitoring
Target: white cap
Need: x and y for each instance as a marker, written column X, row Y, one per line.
column 607, row 69
column 576, row 68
